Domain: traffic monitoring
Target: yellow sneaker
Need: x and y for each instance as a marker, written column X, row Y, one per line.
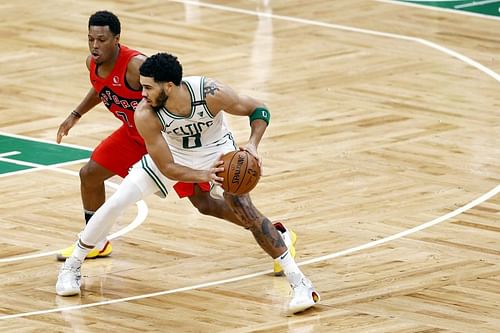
column 290, row 239
column 95, row 253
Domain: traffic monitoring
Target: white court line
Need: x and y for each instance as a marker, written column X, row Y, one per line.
column 440, row 9
column 39, row 166
column 443, row 49
column 7, row 174
column 44, row 141
column 475, row 3
column 473, row 203
column 10, row 153
column 54, row 167
column 408, row 232
column 142, row 209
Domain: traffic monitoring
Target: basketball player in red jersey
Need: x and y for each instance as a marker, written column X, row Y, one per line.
column 114, row 75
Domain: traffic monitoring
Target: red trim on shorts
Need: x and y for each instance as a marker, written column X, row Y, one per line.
column 187, row 189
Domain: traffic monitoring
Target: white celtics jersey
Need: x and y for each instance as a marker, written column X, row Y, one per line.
column 200, row 130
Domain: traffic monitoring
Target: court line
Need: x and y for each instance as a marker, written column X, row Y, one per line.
column 41, row 166
column 440, row 9
column 41, row 141
column 10, row 153
column 407, row 232
column 37, row 166
column 69, row 145
column 429, row 224
column 476, row 3
column 422, row 41
column 142, row 208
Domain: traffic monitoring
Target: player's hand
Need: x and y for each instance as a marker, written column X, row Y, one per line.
column 65, row 126
column 252, row 150
column 212, row 172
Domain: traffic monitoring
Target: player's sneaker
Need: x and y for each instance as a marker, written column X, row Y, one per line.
column 216, row 191
column 290, row 238
column 69, row 279
column 304, row 296
column 95, row 253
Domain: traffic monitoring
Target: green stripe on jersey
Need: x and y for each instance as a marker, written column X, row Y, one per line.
column 153, row 176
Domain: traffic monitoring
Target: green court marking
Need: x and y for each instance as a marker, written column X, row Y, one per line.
column 10, row 167
column 485, row 7
column 35, row 151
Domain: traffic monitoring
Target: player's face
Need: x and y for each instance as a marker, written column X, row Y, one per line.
column 102, row 43
column 153, row 92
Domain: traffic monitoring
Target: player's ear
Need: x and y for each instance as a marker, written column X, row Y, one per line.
column 168, row 86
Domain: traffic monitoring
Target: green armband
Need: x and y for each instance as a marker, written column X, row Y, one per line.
column 260, row 113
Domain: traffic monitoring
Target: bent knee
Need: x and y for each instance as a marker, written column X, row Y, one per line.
column 246, row 212
column 93, row 173
column 237, row 201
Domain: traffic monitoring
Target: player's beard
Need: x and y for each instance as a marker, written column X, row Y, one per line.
column 160, row 101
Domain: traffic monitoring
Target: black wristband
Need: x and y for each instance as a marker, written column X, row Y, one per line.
column 75, row 114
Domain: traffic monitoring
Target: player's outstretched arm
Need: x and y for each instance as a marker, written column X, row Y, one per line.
column 90, row 100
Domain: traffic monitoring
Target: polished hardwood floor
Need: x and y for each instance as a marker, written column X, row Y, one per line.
column 385, row 129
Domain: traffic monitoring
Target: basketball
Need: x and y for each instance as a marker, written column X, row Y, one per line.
column 241, row 172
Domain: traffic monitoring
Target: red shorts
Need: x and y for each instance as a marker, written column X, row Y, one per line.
column 187, row 189
column 118, row 152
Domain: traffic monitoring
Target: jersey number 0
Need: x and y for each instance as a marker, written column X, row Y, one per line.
column 192, row 141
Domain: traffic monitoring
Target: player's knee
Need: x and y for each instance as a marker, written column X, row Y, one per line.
column 243, row 208
column 86, row 173
column 91, row 174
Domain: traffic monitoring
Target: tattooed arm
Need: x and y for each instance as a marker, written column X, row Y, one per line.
column 221, row 97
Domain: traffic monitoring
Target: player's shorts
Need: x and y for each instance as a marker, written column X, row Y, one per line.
column 187, row 189
column 199, row 160
column 118, row 152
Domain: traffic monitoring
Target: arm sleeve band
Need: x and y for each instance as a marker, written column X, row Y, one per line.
column 261, row 113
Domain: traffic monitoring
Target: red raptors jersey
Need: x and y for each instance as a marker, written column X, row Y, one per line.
column 118, row 97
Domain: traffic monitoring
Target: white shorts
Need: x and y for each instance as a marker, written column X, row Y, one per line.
column 146, row 175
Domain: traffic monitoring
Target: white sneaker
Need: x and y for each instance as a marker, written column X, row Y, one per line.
column 216, row 191
column 304, row 296
column 69, row 279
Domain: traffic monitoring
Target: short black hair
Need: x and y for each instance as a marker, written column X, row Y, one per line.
column 162, row 67
column 104, row 18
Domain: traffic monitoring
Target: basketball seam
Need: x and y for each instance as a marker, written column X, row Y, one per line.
column 246, row 167
column 228, row 170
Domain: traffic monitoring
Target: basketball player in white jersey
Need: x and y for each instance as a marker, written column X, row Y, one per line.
column 182, row 123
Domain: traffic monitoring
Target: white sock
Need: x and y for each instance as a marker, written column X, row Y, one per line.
column 101, row 222
column 80, row 252
column 292, row 271
column 100, row 245
column 136, row 186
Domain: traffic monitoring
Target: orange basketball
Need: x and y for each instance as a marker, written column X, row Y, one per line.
column 241, row 172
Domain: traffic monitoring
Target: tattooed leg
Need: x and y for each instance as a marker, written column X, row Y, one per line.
column 264, row 232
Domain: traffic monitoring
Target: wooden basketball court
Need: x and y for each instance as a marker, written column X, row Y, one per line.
column 383, row 155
